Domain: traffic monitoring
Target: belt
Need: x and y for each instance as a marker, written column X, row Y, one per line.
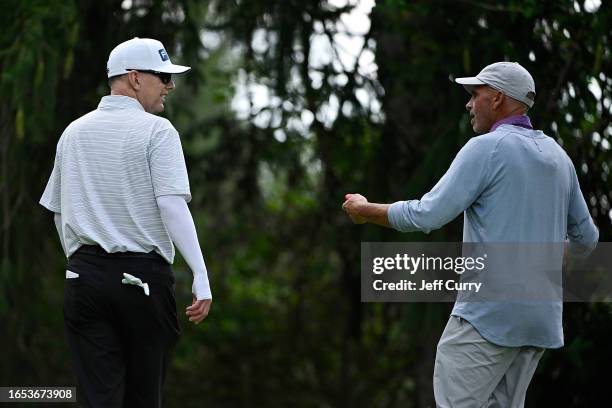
column 98, row 250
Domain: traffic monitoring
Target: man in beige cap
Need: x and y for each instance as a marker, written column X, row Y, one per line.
column 119, row 190
column 513, row 184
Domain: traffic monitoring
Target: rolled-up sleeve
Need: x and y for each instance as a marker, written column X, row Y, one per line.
column 401, row 216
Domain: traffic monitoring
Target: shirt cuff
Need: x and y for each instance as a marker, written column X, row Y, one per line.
column 397, row 219
column 186, row 194
column 50, row 206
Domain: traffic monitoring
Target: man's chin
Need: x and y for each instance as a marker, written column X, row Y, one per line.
column 478, row 130
column 159, row 108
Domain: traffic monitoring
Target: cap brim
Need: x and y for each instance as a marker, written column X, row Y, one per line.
column 469, row 83
column 473, row 81
column 172, row 69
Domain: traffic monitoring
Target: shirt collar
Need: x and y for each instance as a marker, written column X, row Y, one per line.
column 110, row 102
column 517, row 120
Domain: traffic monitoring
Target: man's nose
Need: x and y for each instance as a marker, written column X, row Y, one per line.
column 171, row 85
column 468, row 105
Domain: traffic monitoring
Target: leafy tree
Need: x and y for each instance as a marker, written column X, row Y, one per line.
column 268, row 177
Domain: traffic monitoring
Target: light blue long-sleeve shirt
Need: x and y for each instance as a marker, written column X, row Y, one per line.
column 513, row 185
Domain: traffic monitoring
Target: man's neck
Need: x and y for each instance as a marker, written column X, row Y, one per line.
column 515, row 120
column 123, row 91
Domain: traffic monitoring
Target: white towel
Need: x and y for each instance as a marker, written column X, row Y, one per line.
column 132, row 280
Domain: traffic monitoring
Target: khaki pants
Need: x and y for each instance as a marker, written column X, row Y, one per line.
column 472, row 372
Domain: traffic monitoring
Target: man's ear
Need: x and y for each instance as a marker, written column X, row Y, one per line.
column 498, row 99
column 134, row 80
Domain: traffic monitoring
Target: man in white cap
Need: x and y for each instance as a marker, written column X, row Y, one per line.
column 513, row 184
column 119, row 190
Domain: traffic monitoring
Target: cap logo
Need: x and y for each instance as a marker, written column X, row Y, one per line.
column 531, row 95
column 163, row 55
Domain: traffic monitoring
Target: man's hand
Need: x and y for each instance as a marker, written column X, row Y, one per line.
column 198, row 310
column 352, row 205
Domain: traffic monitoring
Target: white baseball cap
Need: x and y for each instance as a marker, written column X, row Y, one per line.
column 143, row 54
column 508, row 77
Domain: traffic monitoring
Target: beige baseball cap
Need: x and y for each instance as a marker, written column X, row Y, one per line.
column 141, row 54
column 508, row 77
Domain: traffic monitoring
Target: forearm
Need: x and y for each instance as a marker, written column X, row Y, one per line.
column 179, row 223
column 375, row 213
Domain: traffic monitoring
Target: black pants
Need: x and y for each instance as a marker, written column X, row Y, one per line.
column 120, row 338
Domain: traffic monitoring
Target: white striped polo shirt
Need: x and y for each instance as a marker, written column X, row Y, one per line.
column 110, row 166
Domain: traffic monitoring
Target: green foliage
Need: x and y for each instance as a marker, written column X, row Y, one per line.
column 287, row 327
